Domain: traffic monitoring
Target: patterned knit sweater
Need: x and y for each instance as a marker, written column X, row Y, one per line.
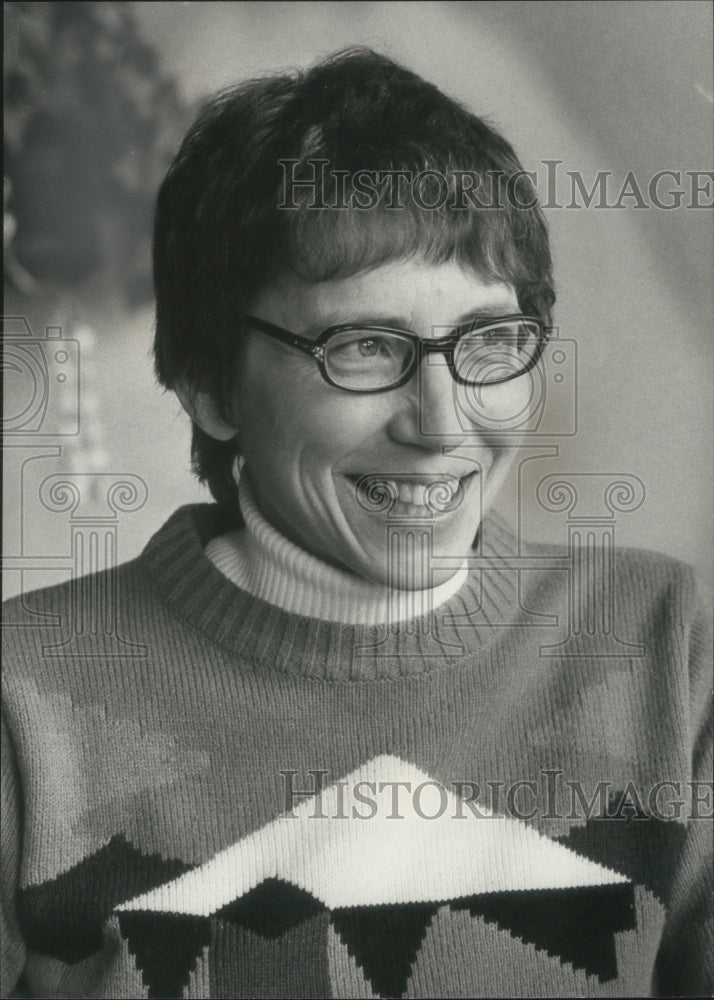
column 212, row 797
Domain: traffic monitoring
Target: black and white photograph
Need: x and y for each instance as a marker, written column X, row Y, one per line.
column 357, row 559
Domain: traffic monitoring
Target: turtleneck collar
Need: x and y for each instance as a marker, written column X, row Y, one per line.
column 261, row 561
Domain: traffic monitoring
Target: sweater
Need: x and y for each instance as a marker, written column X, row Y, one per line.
column 212, row 797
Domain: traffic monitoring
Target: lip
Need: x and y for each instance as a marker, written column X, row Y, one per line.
column 407, row 476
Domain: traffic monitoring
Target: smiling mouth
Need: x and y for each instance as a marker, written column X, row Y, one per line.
column 409, row 494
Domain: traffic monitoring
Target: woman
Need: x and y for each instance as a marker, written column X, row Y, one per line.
column 351, row 759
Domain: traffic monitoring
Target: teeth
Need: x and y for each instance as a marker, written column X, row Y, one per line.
column 416, row 497
column 413, row 494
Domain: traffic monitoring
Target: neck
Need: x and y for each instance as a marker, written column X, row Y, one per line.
column 260, row 560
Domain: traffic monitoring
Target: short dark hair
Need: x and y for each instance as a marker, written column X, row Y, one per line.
column 226, row 223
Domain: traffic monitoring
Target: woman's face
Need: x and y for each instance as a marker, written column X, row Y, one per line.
column 307, row 443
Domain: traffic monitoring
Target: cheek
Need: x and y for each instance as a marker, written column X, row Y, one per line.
column 334, row 427
column 273, row 397
column 503, row 407
column 296, row 421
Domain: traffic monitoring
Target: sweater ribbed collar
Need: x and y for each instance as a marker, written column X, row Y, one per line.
column 269, row 637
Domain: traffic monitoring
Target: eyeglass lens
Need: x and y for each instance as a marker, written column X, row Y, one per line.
column 368, row 359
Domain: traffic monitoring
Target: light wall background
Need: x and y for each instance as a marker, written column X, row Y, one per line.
column 614, row 86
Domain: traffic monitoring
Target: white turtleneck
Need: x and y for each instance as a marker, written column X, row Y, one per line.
column 257, row 558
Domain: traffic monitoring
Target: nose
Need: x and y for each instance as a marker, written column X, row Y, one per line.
column 427, row 414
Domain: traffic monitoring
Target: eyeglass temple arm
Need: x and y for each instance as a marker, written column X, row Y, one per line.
column 286, row 337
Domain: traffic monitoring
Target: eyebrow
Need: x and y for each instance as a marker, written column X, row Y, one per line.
column 398, row 322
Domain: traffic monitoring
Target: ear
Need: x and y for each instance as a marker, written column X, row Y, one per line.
column 202, row 409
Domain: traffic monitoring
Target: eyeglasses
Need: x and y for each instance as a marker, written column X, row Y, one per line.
column 376, row 358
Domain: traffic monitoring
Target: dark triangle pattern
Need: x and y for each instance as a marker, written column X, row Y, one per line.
column 165, row 947
column 271, row 908
column 65, row 917
column 644, row 848
column 384, row 941
column 576, row 925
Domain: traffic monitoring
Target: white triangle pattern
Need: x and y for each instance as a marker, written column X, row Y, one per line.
column 377, row 861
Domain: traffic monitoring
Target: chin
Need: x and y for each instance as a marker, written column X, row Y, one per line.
column 405, row 559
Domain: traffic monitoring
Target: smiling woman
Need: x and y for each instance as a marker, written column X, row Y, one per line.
column 269, row 215
column 206, row 802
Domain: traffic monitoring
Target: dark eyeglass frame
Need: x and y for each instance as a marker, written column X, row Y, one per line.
column 441, row 345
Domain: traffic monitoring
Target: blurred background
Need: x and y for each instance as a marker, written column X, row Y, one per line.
column 97, row 98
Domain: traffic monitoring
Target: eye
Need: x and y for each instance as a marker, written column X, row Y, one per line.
column 374, row 358
column 371, row 347
column 508, row 332
column 514, row 336
column 355, row 349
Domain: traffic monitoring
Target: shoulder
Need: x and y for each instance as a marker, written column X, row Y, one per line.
column 115, row 613
column 648, row 576
column 650, row 596
column 50, row 635
column 184, row 534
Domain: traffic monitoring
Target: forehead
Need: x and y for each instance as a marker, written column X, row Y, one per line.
column 414, row 294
